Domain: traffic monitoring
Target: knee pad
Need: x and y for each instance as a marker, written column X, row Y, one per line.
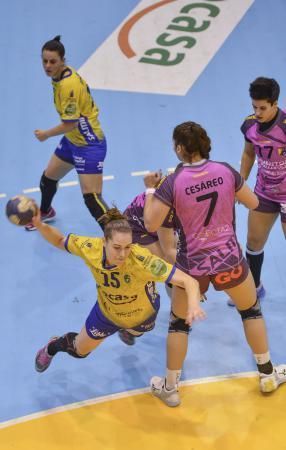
column 69, row 345
column 254, row 312
column 48, row 189
column 96, row 205
column 178, row 325
column 48, row 185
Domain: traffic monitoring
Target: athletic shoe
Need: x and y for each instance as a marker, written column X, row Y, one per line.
column 43, row 359
column 126, row 337
column 169, row 397
column 260, row 292
column 45, row 217
column 269, row 383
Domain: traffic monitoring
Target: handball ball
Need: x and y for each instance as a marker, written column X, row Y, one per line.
column 20, row 210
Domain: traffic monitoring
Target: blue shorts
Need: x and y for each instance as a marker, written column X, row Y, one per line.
column 86, row 160
column 99, row 327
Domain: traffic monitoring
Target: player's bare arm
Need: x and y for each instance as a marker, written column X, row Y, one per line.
column 168, row 242
column 62, row 128
column 192, row 288
column 50, row 234
column 247, row 197
column 247, row 160
column 155, row 211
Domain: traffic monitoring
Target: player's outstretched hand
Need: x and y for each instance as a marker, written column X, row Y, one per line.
column 41, row 135
column 36, row 220
column 152, row 179
column 195, row 313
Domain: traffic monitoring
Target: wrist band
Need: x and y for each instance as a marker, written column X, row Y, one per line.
column 150, row 191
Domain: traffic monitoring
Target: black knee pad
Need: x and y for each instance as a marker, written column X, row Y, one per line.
column 48, row 185
column 254, row 312
column 68, row 345
column 48, row 189
column 178, row 325
column 96, row 205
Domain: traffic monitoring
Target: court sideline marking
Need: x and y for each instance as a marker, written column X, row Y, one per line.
column 111, row 397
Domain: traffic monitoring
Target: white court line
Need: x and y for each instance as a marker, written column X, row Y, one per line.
column 68, row 183
column 63, row 184
column 106, row 398
column 29, row 190
column 105, row 178
column 140, row 173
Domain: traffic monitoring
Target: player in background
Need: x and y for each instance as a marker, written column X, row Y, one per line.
column 265, row 139
column 162, row 243
column 83, row 145
column 125, row 276
column 203, row 193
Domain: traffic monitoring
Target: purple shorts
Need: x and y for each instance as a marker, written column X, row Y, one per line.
column 86, row 160
column 99, row 327
column 141, row 238
column 269, row 206
column 139, row 233
column 224, row 280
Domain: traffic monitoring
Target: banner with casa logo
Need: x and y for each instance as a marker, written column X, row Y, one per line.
column 163, row 46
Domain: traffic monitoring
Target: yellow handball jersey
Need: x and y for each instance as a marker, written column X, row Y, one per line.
column 126, row 294
column 74, row 102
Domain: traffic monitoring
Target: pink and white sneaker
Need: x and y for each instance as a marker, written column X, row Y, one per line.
column 43, row 359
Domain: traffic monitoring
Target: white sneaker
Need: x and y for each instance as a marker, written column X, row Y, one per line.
column 158, row 388
column 269, row 383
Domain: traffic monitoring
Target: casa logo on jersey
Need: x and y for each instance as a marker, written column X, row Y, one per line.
column 163, row 46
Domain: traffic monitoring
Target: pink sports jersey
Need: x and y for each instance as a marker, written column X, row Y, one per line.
column 203, row 197
column 270, row 149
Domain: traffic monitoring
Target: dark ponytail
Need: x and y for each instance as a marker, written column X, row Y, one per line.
column 193, row 138
column 55, row 45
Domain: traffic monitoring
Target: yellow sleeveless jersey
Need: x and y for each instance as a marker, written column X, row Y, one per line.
column 74, row 102
column 126, row 294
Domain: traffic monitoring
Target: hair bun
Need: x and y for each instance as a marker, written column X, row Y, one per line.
column 112, row 214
